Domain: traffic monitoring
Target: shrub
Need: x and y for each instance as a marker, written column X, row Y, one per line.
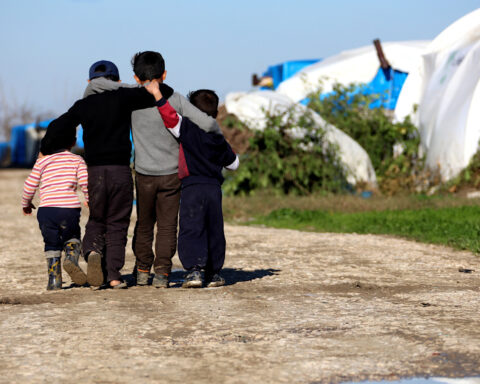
column 373, row 129
column 290, row 156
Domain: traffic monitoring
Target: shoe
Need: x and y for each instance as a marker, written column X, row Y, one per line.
column 142, row 277
column 70, row 264
column 54, row 274
column 160, row 280
column 94, row 271
column 122, row 285
column 215, row 281
column 193, row 280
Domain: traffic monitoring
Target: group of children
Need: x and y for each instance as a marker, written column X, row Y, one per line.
column 179, row 156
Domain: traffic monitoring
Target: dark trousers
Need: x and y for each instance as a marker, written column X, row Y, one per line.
column 58, row 225
column 201, row 240
column 158, row 198
column 110, row 190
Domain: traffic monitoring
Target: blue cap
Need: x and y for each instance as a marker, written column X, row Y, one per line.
column 110, row 69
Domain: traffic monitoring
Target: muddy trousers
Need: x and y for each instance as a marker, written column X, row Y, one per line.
column 158, row 198
column 110, row 190
column 58, row 226
column 201, row 239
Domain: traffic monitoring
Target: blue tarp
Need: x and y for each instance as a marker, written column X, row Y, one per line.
column 385, row 87
column 21, row 153
column 283, row 71
column 18, row 143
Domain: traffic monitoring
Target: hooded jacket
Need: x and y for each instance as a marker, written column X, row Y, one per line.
column 156, row 150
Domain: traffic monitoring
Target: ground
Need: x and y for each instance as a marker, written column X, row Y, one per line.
column 298, row 307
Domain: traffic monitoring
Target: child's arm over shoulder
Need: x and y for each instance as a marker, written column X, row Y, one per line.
column 170, row 117
column 30, row 187
column 186, row 109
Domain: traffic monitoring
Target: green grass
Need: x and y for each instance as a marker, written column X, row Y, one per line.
column 458, row 227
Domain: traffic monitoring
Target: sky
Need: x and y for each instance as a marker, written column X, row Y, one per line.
column 48, row 46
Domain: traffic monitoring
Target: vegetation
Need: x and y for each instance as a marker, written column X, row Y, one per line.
column 393, row 147
column 454, row 226
column 290, row 156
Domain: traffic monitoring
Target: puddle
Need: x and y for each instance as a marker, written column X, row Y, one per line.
column 422, row 380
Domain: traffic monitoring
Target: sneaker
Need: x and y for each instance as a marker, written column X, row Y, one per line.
column 216, row 281
column 193, row 280
column 142, row 277
column 94, row 271
column 70, row 264
column 160, row 280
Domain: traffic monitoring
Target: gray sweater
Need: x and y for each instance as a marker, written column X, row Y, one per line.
column 156, row 150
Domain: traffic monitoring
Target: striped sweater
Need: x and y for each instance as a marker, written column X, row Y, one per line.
column 57, row 175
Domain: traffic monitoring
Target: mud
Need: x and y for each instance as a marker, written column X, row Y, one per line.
column 298, row 307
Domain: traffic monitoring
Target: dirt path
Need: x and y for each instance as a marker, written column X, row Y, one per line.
column 298, row 307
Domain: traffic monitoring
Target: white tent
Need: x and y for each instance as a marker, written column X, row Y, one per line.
column 250, row 108
column 445, row 85
column 353, row 66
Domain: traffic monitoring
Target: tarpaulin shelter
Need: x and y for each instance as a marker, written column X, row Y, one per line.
column 251, row 108
column 442, row 95
column 359, row 66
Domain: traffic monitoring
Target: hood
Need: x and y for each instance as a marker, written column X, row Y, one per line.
column 101, row 84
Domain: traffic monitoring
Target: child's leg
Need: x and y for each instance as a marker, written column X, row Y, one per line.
column 146, row 191
column 192, row 237
column 119, row 208
column 70, row 235
column 166, row 206
column 94, row 238
column 48, row 220
column 216, row 235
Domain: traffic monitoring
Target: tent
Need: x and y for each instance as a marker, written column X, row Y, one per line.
column 359, row 65
column 442, row 95
column 250, row 108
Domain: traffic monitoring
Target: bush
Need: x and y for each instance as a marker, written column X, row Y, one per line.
column 373, row 129
column 289, row 156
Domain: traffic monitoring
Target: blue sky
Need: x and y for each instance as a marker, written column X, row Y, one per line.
column 47, row 46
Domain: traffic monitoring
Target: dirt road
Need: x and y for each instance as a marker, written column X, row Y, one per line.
column 299, row 307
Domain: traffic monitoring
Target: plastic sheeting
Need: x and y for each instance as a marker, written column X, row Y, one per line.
column 353, row 66
column 287, row 69
column 445, row 85
column 250, row 108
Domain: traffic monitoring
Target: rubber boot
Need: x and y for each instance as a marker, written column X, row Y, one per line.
column 70, row 265
column 54, row 274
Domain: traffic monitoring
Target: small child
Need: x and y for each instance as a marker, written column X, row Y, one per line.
column 202, row 156
column 57, row 176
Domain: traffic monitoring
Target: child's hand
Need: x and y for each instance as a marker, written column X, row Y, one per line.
column 27, row 211
column 154, row 88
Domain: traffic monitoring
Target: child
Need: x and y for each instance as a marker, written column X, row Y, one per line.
column 106, row 119
column 58, row 175
column 202, row 156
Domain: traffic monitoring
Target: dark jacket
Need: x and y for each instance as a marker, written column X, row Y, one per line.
column 202, row 155
column 106, row 120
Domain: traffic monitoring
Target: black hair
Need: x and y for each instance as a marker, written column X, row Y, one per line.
column 206, row 100
column 64, row 139
column 102, row 68
column 148, row 65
